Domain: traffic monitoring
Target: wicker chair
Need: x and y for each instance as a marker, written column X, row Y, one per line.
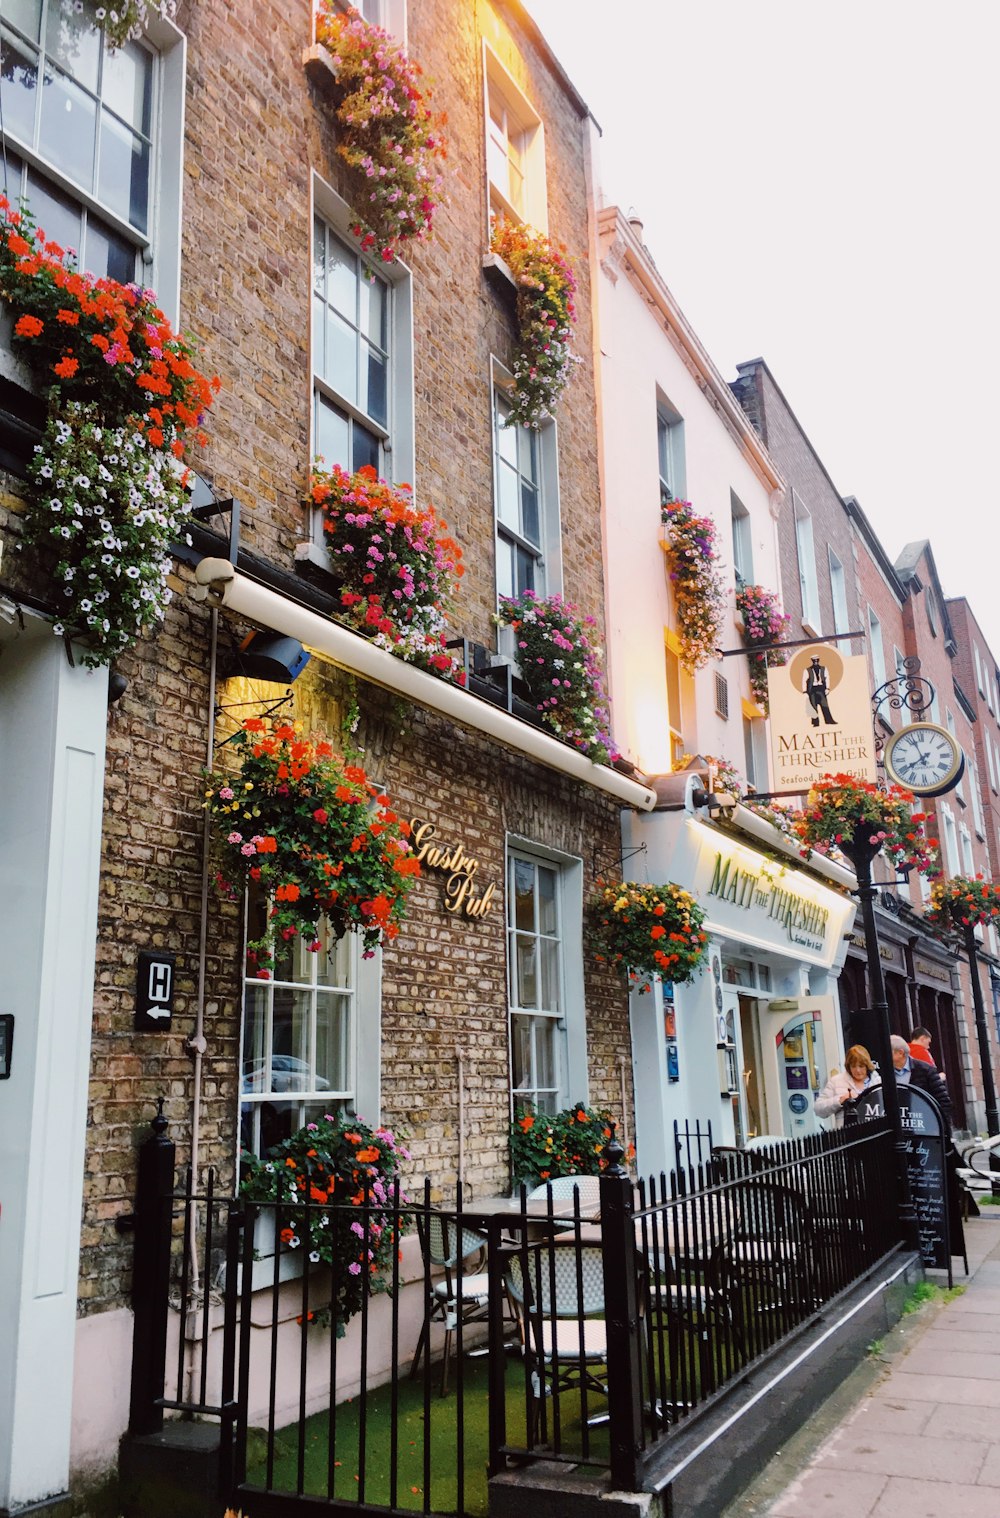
column 453, row 1296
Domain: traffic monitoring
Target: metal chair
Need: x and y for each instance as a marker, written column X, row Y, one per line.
column 562, row 1284
column 453, row 1297
column 565, row 1188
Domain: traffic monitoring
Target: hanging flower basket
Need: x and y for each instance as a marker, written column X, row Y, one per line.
column 561, row 668
column 693, row 560
column 763, row 623
column 336, row 1184
column 545, row 318
column 396, row 567
column 317, row 836
column 961, row 903
column 573, row 1142
column 648, row 931
column 108, row 491
column 387, row 135
column 854, row 816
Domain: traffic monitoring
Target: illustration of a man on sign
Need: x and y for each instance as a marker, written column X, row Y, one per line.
column 816, row 688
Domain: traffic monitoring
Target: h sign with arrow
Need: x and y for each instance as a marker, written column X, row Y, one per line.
column 154, row 993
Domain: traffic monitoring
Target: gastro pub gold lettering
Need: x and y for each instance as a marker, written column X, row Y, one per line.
column 460, row 892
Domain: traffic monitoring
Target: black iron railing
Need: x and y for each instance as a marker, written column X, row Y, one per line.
column 582, row 1330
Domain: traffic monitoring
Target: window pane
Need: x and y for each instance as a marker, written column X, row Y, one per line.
column 341, row 368
column 290, row 1068
column 254, row 1030
column 520, row 1034
column 374, row 384
column 124, row 175
column 341, row 276
column 527, row 450
column 507, row 495
column 524, row 895
column 526, row 564
column 545, row 1053
column 332, row 434
column 332, row 1053
column 364, row 448
column 548, row 950
column 546, row 900
column 319, row 257
column 26, row 15
column 506, row 436
column 69, row 119
column 527, row 971
column 72, row 39
column 126, row 85
column 107, row 253
column 505, row 567
column 529, row 513
column 496, row 162
column 333, row 962
column 373, row 311
column 55, row 214
column 19, row 77
column 319, row 335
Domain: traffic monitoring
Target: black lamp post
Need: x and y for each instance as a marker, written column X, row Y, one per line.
column 982, row 1031
column 861, row 851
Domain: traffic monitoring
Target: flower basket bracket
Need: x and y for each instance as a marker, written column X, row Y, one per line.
column 321, row 70
column 499, row 276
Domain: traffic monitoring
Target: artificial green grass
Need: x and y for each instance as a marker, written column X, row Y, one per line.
column 443, row 1494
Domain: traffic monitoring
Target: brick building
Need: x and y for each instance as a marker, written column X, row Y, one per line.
column 249, row 247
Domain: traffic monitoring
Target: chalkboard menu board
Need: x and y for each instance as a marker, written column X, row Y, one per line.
column 924, row 1136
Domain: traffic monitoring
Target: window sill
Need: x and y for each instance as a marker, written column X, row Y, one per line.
column 811, row 629
column 498, row 274
column 12, row 367
column 320, row 69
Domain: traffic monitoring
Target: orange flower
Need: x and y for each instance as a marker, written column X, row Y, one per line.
column 28, row 326
column 66, row 367
column 369, row 1156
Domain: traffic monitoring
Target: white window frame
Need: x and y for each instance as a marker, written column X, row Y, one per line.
column 390, row 15
column 949, row 833
column 838, row 593
column 362, row 1093
column 670, row 451
column 742, row 533
column 571, row 1018
column 968, row 857
column 990, row 770
column 931, row 609
column 959, row 792
column 521, row 119
column 988, row 669
column 159, row 249
column 755, row 753
column 977, row 800
column 397, row 453
column 980, row 676
column 808, row 581
column 877, row 648
column 549, row 556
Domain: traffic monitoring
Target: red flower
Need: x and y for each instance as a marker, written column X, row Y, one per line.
column 28, row 326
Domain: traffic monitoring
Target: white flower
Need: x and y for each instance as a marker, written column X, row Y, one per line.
column 58, row 629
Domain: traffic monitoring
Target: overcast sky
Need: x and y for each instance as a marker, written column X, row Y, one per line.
column 819, row 185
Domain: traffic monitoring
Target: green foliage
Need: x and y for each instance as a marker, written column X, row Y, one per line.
column 336, row 1163
column 647, row 931
column 573, row 1142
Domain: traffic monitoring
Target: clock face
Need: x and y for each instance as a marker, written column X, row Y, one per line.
column 925, row 758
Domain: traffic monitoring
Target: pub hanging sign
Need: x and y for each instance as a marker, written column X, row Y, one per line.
column 462, row 892
column 820, row 718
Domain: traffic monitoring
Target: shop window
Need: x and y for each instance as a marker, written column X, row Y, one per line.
column 526, row 502
column 742, row 540
column 310, row 1036
column 93, row 138
column 515, row 150
column 808, row 584
column 545, row 974
column 670, row 452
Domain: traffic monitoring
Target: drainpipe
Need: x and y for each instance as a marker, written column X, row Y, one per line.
column 460, row 1061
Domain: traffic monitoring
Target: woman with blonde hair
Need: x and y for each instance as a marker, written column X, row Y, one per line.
column 859, row 1075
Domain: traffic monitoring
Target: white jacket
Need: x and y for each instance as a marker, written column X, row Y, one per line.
column 829, row 1103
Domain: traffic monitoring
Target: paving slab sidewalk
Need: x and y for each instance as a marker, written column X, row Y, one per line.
column 915, row 1433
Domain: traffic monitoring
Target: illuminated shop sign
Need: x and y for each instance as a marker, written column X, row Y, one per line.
column 760, row 900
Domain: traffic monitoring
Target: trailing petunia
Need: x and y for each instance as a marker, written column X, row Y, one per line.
column 764, row 622
column 126, row 20
column 545, row 316
column 396, row 566
column 562, row 670
column 314, row 834
column 648, row 931
column 843, row 812
column 693, row 564
column 335, row 1190
column 387, row 136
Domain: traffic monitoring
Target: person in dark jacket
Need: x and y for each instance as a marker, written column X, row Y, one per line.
column 925, row 1077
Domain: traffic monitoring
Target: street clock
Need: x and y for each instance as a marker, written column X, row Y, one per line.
column 924, row 758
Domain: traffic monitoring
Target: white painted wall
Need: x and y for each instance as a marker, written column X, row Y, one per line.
column 52, row 731
column 640, row 362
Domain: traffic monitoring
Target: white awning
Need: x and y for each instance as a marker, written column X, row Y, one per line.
column 223, row 585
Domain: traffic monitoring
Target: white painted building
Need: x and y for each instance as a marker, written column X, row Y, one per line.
column 746, row 1045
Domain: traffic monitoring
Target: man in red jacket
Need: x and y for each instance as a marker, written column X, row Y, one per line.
column 920, row 1045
